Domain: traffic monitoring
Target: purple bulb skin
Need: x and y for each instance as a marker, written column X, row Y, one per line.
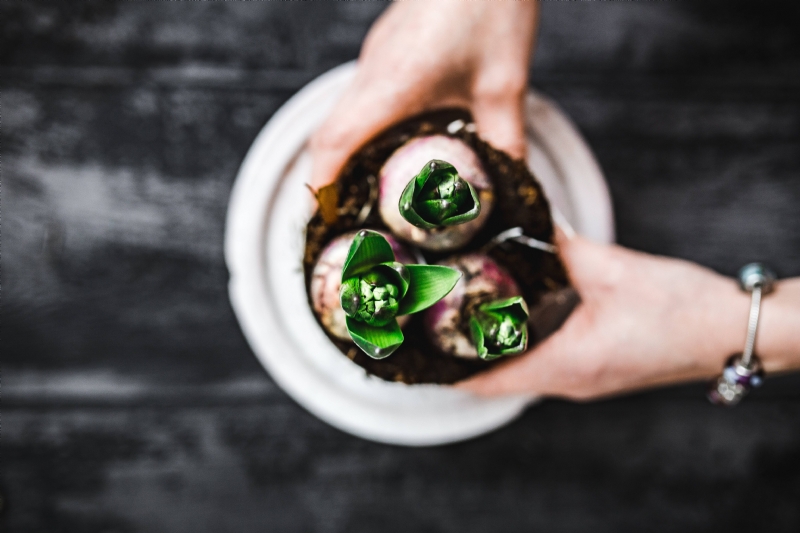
column 483, row 280
column 326, row 280
column 405, row 163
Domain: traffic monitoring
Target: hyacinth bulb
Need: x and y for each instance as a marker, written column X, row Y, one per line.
column 326, row 282
column 438, row 207
column 484, row 284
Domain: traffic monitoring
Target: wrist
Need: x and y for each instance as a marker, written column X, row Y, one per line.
column 778, row 340
column 727, row 330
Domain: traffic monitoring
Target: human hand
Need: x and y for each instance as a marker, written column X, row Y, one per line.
column 426, row 55
column 643, row 321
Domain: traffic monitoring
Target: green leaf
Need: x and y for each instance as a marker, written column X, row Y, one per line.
column 369, row 248
column 514, row 306
column 349, row 297
column 469, row 215
column 488, row 355
column 407, row 209
column 398, row 273
column 376, row 342
column 477, row 338
column 428, row 285
column 519, row 348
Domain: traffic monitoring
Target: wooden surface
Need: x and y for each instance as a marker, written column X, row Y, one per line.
column 130, row 400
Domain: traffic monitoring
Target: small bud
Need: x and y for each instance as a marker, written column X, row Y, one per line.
column 366, row 291
column 377, row 299
column 439, row 197
column 500, row 332
column 501, row 328
column 507, row 333
column 380, row 293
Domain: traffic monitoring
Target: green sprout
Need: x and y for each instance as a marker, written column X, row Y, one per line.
column 500, row 328
column 376, row 289
column 438, row 197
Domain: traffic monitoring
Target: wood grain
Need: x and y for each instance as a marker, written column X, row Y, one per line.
column 131, row 401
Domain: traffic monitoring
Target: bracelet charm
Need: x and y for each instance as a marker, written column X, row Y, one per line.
column 742, row 372
column 736, row 381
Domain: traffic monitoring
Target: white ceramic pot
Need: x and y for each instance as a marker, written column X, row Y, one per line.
column 264, row 243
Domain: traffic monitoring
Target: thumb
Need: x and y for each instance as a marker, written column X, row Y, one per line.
column 364, row 110
column 498, row 118
column 589, row 264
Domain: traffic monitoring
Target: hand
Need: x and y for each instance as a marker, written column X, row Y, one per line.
column 643, row 321
column 421, row 56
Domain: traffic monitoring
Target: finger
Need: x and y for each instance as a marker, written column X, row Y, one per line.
column 499, row 120
column 561, row 223
column 562, row 237
column 364, row 110
column 534, row 373
column 503, row 380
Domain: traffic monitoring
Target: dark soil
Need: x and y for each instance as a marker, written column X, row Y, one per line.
column 519, row 201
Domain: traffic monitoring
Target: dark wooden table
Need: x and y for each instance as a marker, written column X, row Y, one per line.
column 130, row 400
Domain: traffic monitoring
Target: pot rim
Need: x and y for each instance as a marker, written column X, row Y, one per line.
column 268, row 210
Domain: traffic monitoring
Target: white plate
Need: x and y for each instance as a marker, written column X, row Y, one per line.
column 267, row 214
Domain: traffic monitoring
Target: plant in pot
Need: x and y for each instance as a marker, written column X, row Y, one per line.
column 439, row 194
column 484, row 316
column 375, row 290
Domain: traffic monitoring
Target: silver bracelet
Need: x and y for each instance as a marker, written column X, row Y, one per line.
column 743, row 371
